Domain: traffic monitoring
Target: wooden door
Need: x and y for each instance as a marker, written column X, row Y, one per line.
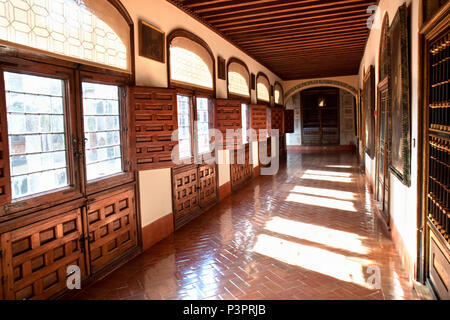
column 112, row 228
column 186, row 201
column 207, row 175
column 35, row 258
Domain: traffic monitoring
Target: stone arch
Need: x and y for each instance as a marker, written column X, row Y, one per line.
column 320, row 83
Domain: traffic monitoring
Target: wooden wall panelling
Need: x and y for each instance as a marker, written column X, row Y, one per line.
column 241, row 173
column 35, row 257
column 2, row 279
column 112, row 226
column 153, row 118
column 185, row 183
column 277, row 116
column 258, row 118
column 289, row 121
column 228, row 116
column 208, row 179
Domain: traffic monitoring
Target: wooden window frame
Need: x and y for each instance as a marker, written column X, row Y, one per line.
column 193, row 95
column 126, row 175
column 181, row 33
column 259, row 101
column 72, row 134
column 236, row 96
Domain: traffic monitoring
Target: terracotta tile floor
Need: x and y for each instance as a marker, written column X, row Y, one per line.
column 309, row 232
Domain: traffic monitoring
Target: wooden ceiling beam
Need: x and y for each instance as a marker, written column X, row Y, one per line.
column 305, row 21
column 308, row 15
column 290, row 11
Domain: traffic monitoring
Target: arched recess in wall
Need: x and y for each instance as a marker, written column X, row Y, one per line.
column 191, row 62
column 262, row 88
column 238, row 80
column 278, row 94
column 320, row 83
column 52, row 28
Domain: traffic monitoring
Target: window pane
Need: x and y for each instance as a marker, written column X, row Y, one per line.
column 64, row 27
column 102, row 130
column 203, row 137
column 36, row 133
column 190, row 63
column 184, row 127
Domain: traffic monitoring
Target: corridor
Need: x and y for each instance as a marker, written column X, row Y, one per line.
column 309, row 232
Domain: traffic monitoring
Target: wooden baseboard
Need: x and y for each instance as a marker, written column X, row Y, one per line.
column 157, row 231
column 224, row 191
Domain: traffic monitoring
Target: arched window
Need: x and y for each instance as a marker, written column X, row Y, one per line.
column 278, row 94
column 81, row 30
column 238, row 78
column 263, row 87
column 191, row 61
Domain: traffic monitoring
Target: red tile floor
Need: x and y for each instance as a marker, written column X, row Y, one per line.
column 309, row 232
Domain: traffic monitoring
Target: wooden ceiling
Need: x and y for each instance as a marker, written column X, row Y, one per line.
column 296, row 39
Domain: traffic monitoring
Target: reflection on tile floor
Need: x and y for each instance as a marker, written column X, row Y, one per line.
column 309, row 232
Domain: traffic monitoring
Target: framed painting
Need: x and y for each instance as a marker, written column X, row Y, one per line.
column 369, row 111
column 151, row 42
column 400, row 97
column 221, row 72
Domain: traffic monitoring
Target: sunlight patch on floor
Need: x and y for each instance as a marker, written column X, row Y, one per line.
column 321, row 261
column 328, row 173
column 327, row 178
column 322, row 235
column 322, row 192
column 322, row 202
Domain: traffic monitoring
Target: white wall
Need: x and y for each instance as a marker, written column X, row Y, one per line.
column 403, row 199
column 167, row 17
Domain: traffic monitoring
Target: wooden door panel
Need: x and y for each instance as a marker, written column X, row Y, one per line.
column 208, row 184
column 241, row 173
column 112, row 226
column 277, row 116
column 289, row 121
column 185, row 191
column 258, row 120
column 35, row 258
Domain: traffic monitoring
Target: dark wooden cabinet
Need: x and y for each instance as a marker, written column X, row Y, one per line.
column 35, row 257
column 241, row 173
column 194, row 189
column 111, row 226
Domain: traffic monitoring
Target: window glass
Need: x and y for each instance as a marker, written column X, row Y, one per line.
column 244, row 123
column 184, row 126
column 203, row 137
column 238, row 79
column 263, row 90
column 36, row 133
column 64, row 27
column 102, row 130
column 277, row 95
column 187, row 67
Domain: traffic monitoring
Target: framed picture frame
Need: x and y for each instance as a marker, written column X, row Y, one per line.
column 221, row 70
column 369, row 111
column 400, row 97
column 152, row 42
